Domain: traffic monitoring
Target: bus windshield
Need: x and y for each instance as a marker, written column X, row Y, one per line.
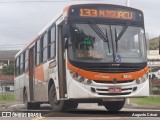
column 94, row 43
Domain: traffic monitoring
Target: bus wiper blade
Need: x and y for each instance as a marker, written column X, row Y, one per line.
column 107, row 41
column 116, row 39
column 99, row 32
column 120, row 35
column 122, row 32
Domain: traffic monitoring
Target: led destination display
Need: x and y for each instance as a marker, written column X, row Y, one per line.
column 105, row 12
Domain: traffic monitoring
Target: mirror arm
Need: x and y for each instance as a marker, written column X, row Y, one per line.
column 66, row 43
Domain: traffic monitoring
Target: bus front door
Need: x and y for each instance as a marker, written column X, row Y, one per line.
column 61, row 65
column 31, row 73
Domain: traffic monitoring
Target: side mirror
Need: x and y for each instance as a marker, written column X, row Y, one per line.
column 66, row 43
column 65, row 35
column 65, row 31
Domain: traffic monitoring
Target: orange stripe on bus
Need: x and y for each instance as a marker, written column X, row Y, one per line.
column 108, row 76
column 39, row 73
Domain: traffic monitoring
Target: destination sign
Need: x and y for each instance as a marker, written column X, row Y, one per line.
column 105, row 12
column 113, row 14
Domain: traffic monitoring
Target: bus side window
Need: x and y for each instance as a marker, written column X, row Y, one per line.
column 41, row 49
column 51, row 42
column 26, row 60
column 45, row 39
column 37, row 52
column 17, row 67
column 21, row 63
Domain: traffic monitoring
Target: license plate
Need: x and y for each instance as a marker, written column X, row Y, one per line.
column 114, row 90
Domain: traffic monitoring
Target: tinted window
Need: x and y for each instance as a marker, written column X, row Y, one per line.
column 45, row 40
column 51, row 43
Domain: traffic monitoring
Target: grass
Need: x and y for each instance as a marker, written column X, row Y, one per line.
column 9, row 96
column 151, row 100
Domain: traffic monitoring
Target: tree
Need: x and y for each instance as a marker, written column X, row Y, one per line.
column 8, row 70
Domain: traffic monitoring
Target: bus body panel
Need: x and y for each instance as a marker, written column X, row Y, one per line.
column 77, row 90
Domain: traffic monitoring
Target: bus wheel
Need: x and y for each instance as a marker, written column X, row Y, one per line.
column 56, row 105
column 73, row 105
column 70, row 105
column 114, row 105
column 29, row 105
column 60, row 105
column 25, row 100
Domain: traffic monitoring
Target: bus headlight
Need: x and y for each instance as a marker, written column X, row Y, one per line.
column 80, row 79
column 138, row 81
column 74, row 75
column 142, row 79
column 89, row 82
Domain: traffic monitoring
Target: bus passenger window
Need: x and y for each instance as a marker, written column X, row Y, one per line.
column 21, row 64
column 51, row 43
column 37, row 59
column 37, row 51
column 41, row 49
column 26, row 60
column 52, row 49
column 17, row 67
column 44, row 54
column 45, row 40
column 53, row 34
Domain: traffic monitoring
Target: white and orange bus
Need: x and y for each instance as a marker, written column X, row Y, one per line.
column 90, row 53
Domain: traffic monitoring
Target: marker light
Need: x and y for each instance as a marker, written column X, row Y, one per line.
column 81, row 79
column 89, row 82
column 75, row 75
column 138, row 81
column 142, row 79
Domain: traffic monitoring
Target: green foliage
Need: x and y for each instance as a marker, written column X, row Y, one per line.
column 8, row 70
column 8, row 96
column 151, row 100
column 154, row 44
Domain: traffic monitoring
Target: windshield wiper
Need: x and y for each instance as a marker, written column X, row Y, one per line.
column 120, row 34
column 100, row 33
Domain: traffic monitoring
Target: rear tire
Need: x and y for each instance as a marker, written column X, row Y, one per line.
column 29, row 105
column 114, row 105
column 60, row 105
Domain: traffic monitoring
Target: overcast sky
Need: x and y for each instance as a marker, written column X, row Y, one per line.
column 21, row 21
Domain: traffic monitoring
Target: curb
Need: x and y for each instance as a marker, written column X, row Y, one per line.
column 141, row 106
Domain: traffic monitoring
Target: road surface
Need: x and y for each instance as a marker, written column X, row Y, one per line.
column 87, row 110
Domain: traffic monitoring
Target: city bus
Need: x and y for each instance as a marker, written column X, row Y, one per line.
column 89, row 53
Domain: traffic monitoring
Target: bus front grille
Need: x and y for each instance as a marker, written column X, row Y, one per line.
column 114, row 69
column 127, row 93
column 104, row 91
column 111, row 82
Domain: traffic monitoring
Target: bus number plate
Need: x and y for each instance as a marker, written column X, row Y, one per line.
column 114, row 90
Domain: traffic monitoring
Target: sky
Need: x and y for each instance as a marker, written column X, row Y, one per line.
column 21, row 20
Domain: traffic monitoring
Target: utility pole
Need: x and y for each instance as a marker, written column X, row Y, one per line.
column 128, row 3
column 159, row 45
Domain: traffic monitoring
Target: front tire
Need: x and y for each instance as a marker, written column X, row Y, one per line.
column 114, row 105
column 60, row 105
column 29, row 105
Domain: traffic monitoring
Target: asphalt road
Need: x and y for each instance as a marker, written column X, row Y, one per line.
column 89, row 110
